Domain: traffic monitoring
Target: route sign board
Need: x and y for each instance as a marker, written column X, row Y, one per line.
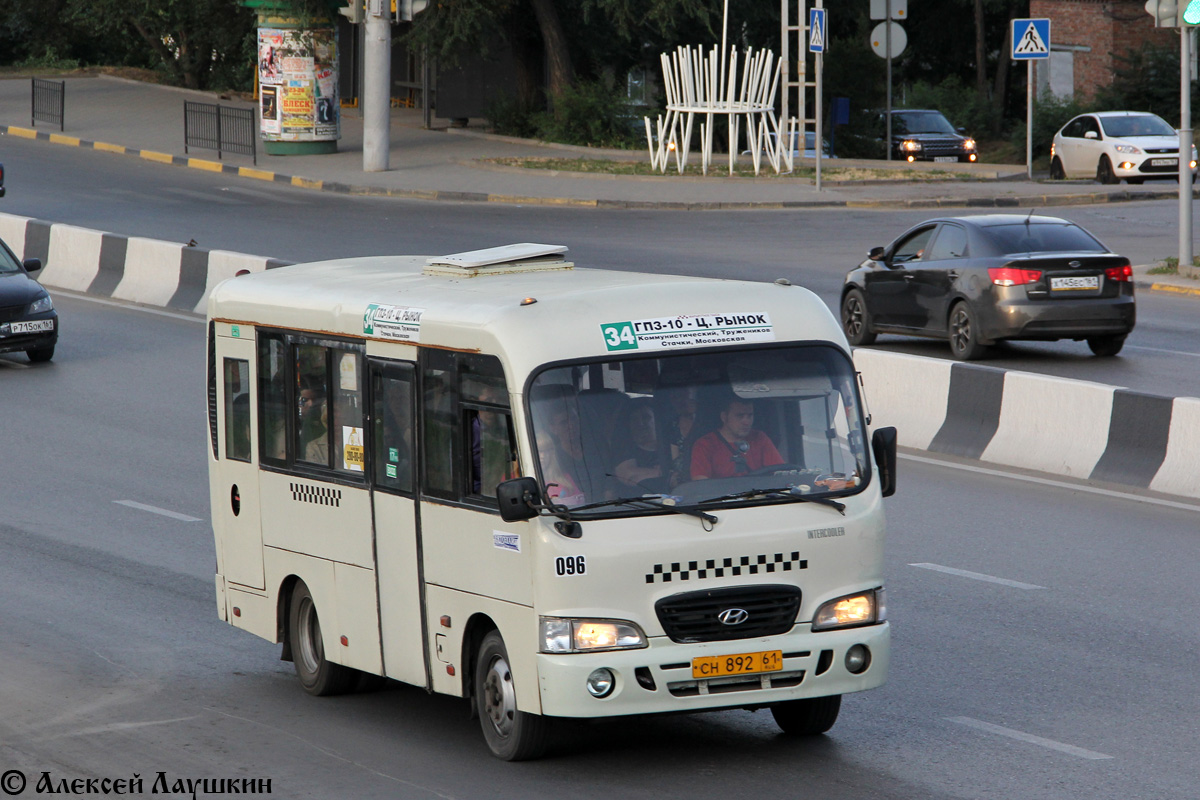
column 1031, row 39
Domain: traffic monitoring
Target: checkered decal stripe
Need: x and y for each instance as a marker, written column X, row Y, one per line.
column 317, row 495
column 734, row 567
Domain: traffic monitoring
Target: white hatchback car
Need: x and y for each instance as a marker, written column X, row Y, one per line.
column 1116, row 145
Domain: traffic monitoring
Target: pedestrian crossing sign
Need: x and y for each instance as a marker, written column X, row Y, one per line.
column 1030, row 39
column 816, row 30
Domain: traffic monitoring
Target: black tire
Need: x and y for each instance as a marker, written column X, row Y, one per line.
column 511, row 734
column 1106, row 346
column 1104, row 172
column 40, row 355
column 964, row 333
column 1057, row 173
column 317, row 675
column 807, row 717
column 856, row 320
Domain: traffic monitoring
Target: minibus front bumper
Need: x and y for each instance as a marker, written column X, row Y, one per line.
column 658, row 678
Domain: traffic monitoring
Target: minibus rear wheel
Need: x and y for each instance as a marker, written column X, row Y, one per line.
column 317, row 675
column 807, row 717
column 511, row 734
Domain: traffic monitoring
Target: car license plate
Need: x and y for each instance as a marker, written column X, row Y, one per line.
column 738, row 664
column 945, row 158
column 1082, row 282
column 34, row 326
column 1164, row 162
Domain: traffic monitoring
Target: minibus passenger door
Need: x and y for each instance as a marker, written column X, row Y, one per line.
column 393, row 483
column 234, row 486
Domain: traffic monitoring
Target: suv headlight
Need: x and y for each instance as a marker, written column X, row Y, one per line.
column 864, row 608
column 1126, row 148
column 968, row 144
column 560, row 635
column 909, row 146
column 40, row 305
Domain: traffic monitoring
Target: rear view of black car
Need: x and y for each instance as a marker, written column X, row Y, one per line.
column 28, row 320
column 979, row 280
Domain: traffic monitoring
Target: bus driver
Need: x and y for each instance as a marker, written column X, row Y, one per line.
column 735, row 448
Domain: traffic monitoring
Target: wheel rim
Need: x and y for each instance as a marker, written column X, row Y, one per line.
column 308, row 644
column 960, row 330
column 854, row 317
column 499, row 698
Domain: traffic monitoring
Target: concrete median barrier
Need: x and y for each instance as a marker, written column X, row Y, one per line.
column 139, row 270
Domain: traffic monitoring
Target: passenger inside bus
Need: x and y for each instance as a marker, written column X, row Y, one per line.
column 314, row 424
column 638, row 462
column 735, row 448
column 560, row 450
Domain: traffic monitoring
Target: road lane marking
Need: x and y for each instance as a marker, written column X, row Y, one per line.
column 1075, row 487
column 1161, row 350
column 156, row 510
column 999, row 730
column 978, row 576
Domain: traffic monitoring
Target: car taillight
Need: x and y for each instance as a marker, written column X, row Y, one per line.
column 1011, row 276
column 1124, row 273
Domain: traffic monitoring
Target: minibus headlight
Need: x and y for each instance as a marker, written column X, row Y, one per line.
column 864, row 608
column 561, row 635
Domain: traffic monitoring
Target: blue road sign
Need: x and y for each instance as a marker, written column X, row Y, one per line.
column 1030, row 39
column 816, row 30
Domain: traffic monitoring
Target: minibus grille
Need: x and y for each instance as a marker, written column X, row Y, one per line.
column 697, row 616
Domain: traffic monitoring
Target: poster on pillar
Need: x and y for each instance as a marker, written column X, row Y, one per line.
column 297, row 77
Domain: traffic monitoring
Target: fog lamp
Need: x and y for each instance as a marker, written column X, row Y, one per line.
column 858, row 658
column 601, row 682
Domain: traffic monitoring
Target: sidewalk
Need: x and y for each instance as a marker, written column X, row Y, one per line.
column 450, row 163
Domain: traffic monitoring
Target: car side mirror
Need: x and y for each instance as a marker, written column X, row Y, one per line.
column 517, row 498
column 876, row 254
column 883, row 445
column 1091, row 135
column 32, row 266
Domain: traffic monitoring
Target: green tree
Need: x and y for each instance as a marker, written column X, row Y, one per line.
column 199, row 43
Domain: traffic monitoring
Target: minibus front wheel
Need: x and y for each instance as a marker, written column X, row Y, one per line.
column 317, row 675
column 511, row 734
column 807, row 717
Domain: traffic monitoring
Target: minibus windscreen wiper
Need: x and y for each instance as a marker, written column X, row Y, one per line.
column 785, row 492
column 655, row 501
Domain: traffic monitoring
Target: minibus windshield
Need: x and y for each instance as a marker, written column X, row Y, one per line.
column 699, row 428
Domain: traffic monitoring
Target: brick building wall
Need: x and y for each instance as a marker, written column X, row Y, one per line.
column 1085, row 36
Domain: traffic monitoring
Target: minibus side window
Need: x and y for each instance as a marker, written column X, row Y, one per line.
column 273, row 412
column 490, row 454
column 312, row 413
column 237, row 409
column 348, row 442
column 439, row 423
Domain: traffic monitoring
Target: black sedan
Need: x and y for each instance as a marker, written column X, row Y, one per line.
column 28, row 320
column 980, row 280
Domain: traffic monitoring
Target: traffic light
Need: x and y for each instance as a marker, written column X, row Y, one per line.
column 354, row 11
column 1165, row 13
column 1191, row 14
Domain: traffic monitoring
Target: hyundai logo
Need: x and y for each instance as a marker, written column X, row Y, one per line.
column 733, row 616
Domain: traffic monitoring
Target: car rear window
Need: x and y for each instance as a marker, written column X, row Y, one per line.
column 1042, row 237
column 1136, row 125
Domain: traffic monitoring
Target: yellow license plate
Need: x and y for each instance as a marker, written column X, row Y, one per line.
column 739, row 664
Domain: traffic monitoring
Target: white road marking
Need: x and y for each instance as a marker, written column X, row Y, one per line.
column 208, row 197
column 978, row 576
column 156, row 510
column 129, row 306
column 1075, row 487
column 273, row 197
column 1161, row 350
column 4, row 362
column 116, row 727
column 999, row 730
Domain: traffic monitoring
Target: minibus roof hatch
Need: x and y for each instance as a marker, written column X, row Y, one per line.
column 523, row 257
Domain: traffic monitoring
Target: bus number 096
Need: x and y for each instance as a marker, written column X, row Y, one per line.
column 569, row 565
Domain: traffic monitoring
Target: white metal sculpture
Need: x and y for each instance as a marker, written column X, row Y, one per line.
column 709, row 86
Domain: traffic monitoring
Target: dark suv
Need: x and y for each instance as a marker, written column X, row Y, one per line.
column 926, row 135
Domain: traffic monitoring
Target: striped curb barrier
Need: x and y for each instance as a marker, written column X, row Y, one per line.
column 139, row 270
column 1063, row 427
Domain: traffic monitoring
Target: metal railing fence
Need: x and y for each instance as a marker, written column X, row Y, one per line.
column 221, row 128
column 49, row 101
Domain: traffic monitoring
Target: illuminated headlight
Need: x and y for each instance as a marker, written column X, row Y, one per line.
column 1126, row 148
column 589, row 635
column 909, row 146
column 968, row 144
column 864, row 608
column 40, row 305
column 1052, row 149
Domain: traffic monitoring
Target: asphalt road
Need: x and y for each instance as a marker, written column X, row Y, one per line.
column 812, row 247
column 1043, row 646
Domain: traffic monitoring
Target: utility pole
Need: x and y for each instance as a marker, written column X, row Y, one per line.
column 377, row 90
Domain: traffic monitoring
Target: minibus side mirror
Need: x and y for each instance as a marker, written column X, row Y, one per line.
column 32, row 265
column 517, row 498
column 883, row 445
